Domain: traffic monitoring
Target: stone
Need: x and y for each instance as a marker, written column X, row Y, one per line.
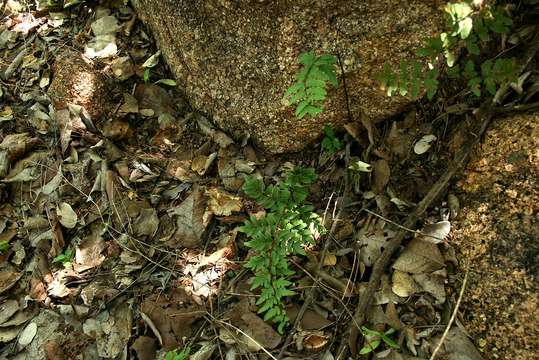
column 76, row 81
column 235, row 59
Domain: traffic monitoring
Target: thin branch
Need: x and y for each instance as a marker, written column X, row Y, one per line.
column 453, row 316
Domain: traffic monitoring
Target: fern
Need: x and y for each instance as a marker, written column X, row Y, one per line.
column 309, row 90
column 284, row 231
column 467, row 28
column 330, row 143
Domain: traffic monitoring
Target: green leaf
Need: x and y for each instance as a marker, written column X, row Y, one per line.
column 471, row 45
column 431, row 83
column 253, row 187
column 369, row 332
column 369, row 347
column 490, row 85
column 168, row 82
column 4, row 246
column 469, row 70
column 416, row 74
column 459, row 10
column 454, row 72
column 390, row 342
column 479, row 27
column 146, row 74
column 465, row 27
column 271, row 313
column 486, row 68
column 307, row 58
column 474, row 85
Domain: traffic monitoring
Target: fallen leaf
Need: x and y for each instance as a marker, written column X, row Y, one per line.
column 205, row 352
column 418, row 257
column 147, row 223
column 7, row 309
column 435, row 233
column 130, row 105
column 457, row 345
column 424, row 144
column 373, row 238
column 88, row 253
column 404, row 284
column 122, row 68
column 201, row 163
column 113, row 330
column 8, row 334
column 315, row 341
column 145, row 347
column 221, row 203
column 18, row 319
column 433, row 283
column 66, row 215
column 173, row 315
column 259, row 333
column 311, row 320
column 152, row 60
column 154, row 97
column 8, row 279
column 52, row 185
column 381, row 174
column 191, row 220
column 28, row 334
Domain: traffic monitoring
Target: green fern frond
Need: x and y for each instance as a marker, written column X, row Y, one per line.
column 284, row 231
column 309, row 91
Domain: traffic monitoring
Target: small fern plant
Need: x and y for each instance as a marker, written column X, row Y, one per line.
column 310, row 89
column 286, row 228
column 330, row 143
column 469, row 28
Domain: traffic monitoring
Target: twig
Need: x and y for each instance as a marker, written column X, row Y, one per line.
column 345, row 88
column 453, row 316
column 417, row 232
column 518, row 108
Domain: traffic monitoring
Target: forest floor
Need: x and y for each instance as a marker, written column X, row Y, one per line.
column 120, row 207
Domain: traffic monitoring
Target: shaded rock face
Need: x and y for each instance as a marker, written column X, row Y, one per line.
column 497, row 239
column 235, row 59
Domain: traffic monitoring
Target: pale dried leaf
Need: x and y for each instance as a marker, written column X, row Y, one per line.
column 221, row 203
column 419, row 257
column 28, row 334
column 424, row 144
column 66, row 215
column 403, row 284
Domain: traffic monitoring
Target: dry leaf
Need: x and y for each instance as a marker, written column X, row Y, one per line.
column 8, row 279
column 424, row 144
column 404, row 284
column 191, row 220
column 381, row 174
column 418, row 257
column 222, row 203
column 28, row 334
column 66, row 215
column 7, row 309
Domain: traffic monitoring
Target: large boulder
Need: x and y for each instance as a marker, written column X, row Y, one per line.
column 235, row 59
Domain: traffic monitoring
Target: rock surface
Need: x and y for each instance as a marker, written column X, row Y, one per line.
column 76, row 81
column 235, row 59
column 498, row 236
